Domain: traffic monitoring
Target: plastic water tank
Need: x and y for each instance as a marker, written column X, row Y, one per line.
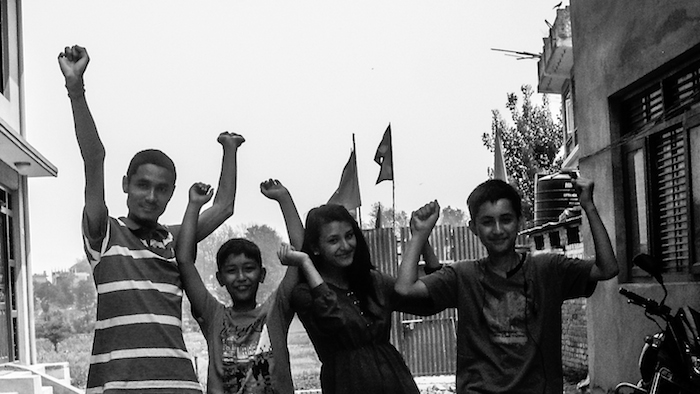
column 553, row 194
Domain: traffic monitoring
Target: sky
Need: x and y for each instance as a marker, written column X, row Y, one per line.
column 296, row 78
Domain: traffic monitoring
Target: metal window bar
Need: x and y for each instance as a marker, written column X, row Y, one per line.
column 643, row 109
column 671, row 191
column 683, row 88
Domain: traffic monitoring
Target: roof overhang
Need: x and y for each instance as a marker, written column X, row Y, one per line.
column 22, row 157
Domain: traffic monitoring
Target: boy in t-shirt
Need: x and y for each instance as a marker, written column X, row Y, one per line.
column 241, row 337
column 509, row 303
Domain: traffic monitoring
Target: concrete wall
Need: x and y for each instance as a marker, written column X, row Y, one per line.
column 617, row 43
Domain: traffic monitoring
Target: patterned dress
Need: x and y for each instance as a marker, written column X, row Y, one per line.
column 353, row 345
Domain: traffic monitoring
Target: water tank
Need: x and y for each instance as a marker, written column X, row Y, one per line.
column 553, row 194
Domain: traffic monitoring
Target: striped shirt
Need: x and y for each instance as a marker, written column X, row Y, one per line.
column 138, row 345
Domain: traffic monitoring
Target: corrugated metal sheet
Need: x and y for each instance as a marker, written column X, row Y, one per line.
column 382, row 248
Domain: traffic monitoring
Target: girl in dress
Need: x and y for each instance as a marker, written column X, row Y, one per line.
column 345, row 304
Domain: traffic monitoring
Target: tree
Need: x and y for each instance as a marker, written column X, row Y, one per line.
column 530, row 146
column 269, row 243
column 386, row 217
column 64, row 287
column 54, row 327
column 453, row 217
column 44, row 293
column 206, row 253
column 85, row 296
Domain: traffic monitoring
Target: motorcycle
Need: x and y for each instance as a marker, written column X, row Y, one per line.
column 670, row 359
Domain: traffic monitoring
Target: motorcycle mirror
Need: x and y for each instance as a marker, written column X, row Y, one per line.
column 649, row 265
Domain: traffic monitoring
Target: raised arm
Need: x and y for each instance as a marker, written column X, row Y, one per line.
column 73, row 62
column 222, row 208
column 432, row 263
column 605, row 261
column 422, row 222
column 186, row 248
column 290, row 257
column 275, row 190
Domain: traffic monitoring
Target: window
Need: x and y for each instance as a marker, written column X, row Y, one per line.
column 570, row 134
column 4, row 45
column 554, row 240
column 661, row 152
column 8, row 305
column 572, row 235
column 539, row 242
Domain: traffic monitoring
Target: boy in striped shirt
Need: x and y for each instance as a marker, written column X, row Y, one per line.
column 138, row 344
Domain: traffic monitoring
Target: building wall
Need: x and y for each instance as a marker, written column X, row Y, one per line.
column 18, row 161
column 616, row 44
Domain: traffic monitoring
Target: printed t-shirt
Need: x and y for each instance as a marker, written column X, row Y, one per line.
column 509, row 329
column 240, row 350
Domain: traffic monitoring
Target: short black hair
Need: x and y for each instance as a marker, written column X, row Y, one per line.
column 235, row 246
column 150, row 156
column 492, row 191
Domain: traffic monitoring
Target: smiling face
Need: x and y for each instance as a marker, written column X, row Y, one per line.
column 148, row 191
column 336, row 244
column 241, row 276
column 497, row 225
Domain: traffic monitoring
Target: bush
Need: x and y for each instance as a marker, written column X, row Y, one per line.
column 54, row 327
column 84, row 324
column 75, row 349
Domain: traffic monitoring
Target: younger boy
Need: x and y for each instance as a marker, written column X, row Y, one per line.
column 240, row 338
column 509, row 304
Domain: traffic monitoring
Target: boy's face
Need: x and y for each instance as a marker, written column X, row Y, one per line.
column 497, row 225
column 241, row 276
column 148, row 192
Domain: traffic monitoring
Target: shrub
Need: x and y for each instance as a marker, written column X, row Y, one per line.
column 75, row 349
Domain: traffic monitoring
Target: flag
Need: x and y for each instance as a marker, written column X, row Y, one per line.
column 383, row 157
column 378, row 219
column 499, row 166
column 348, row 192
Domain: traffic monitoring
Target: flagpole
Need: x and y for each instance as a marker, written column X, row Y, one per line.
column 359, row 209
column 393, row 205
column 393, row 194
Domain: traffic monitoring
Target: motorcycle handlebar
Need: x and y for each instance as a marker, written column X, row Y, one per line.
column 649, row 305
column 636, row 298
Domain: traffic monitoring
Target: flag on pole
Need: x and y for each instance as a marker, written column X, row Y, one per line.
column 383, row 157
column 348, row 192
column 499, row 166
column 378, row 219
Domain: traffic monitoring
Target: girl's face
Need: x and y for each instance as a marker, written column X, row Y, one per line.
column 336, row 244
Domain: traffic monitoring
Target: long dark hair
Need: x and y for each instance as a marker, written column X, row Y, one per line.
column 359, row 277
